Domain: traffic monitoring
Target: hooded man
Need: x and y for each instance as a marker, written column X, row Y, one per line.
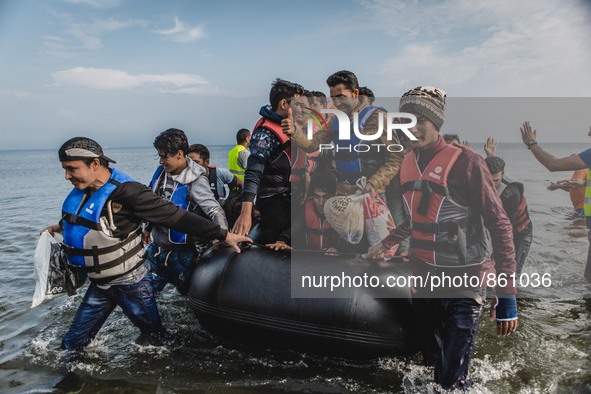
column 179, row 179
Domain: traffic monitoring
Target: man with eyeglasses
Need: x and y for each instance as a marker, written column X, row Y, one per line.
column 173, row 254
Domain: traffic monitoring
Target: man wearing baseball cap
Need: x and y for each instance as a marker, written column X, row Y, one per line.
column 101, row 223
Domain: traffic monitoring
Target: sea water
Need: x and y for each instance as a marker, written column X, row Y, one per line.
column 549, row 353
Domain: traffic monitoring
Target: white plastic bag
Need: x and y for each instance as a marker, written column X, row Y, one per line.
column 52, row 275
column 378, row 219
column 345, row 215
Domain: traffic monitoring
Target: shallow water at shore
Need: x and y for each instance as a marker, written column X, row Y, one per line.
column 550, row 352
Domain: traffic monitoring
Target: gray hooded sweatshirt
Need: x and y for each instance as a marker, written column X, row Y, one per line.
column 200, row 195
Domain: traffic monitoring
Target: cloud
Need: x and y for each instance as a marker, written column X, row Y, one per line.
column 88, row 35
column 492, row 47
column 83, row 36
column 56, row 46
column 15, row 95
column 108, row 79
column 182, row 32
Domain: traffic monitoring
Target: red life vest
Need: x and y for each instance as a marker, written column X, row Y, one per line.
column 522, row 219
column 276, row 129
column 299, row 165
column 444, row 233
column 301, row 161
column 275, row 179
column 319, row 233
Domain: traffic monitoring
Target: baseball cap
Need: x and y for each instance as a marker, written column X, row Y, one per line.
column 79, row 148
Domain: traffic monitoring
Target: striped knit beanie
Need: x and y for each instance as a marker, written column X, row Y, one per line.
column 495, row 164
column 427, row 101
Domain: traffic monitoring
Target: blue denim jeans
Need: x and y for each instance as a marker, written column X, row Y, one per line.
column 173, row 267
column 136, row 300
column 448, row 332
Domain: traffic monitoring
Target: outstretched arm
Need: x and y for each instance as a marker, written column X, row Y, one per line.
column 566, row 184
column 548, row 160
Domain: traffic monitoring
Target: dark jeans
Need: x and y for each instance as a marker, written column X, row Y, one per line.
column 136, row 300
column 171, row 267
column 275, row 218
column 522, row 243
column 448, row 332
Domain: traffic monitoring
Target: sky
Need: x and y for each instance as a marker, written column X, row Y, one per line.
column 122, row 71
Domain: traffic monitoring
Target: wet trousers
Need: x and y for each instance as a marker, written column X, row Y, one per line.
column 448, row 332
column 522, row 243
column 136, row 300
column 171, row 266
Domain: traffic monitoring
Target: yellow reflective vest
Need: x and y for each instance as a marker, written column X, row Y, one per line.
column 587, row 201
column 233, row 165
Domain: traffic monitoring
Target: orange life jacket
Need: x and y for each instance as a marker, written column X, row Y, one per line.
column 577, row 194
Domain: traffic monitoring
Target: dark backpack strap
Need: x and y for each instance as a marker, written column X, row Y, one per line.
column 100, row 251
column 434, row 227
column 96, row 268
column 422, row 185
column 75, row 219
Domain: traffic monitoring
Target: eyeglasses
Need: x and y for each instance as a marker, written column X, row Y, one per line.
column 164, row 156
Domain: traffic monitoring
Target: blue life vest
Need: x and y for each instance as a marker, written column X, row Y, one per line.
column 180, row 198
column 88, row 243
column 348, row 162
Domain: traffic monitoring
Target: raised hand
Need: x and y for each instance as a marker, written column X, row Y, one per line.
column 527, row 133
column 287, row 124
column 490, row 147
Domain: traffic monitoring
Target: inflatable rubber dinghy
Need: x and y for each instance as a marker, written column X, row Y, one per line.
column 247, row 298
